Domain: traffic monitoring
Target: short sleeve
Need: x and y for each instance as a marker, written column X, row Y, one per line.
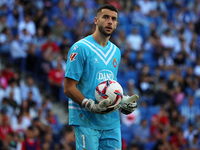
column 75, row 62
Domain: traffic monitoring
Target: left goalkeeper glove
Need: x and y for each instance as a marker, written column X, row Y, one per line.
column 129, row 104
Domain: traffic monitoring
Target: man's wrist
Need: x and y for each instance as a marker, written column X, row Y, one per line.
column 84, row 102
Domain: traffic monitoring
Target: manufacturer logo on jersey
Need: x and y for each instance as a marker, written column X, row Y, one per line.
column 96, row 60
column 114, row 62
column 75, row 47
column 72, row 56
column 105, row 75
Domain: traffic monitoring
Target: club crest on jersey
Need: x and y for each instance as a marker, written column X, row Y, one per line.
column 72, row 56
column 114, row 62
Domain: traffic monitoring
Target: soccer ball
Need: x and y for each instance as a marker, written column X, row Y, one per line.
column 109, row 89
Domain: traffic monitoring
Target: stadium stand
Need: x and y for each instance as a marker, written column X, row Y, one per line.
column 160, row 46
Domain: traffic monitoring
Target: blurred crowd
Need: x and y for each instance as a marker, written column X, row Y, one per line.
column 160, row 45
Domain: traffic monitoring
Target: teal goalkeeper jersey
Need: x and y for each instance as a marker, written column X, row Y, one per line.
column 89, row 63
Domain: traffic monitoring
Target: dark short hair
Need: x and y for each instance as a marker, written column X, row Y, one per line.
column 107, row 6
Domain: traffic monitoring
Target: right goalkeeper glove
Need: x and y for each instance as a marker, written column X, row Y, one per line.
column 129, row 104
column 100, row 108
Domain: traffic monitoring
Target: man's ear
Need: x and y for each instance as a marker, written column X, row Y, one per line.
column 116, row 25
column 95, row 20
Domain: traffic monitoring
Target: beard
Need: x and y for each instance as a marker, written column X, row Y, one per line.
column 104, row 32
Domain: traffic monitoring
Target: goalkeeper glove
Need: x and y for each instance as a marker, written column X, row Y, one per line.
column 100, row 108
column 128, row 104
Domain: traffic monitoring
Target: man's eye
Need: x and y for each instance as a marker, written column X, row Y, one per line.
column 114, row 19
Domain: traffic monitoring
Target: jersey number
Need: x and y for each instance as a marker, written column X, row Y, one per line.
column 83, row 137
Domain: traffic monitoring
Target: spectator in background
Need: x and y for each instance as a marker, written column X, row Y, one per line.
column 25, row 37
column 193, row 54
column 181, row 47
column 2, row 93
column 5, row 39
column 197, row 67
column 167, row 40
column 178, row 95
column 54, row 122
column 49, row 50
column 174, row 116
column 50, row 46
column 46, row 105
column 142, row 133
column 48, row 142
column 135, row 40
column 131, row 88
column 56, row 77
column 161, row 145
column 18, row 52
column 58, row 32
column 27, row 24
column 146, row 6
column 5, row 127
column 174, row 79
column 190, row 132
column 159, row 122
column 30, row 86
column 115, row 3
column 68, row 138
column 165, row 61
column 3, row 23
column 14, row 92
column 137, row 17
column 27, row 111
column 139, row 61
column 146, row 81
column 3, row 82
column 19, row 124
column 12, row 101
column 191, row 81
column 5, row 108
column 162, row 97
column 195, row 143
column 8, row 72
column 59, row 60
column 44, row 25
column 18, row 77
column 177, row 140
column 125, row 62
column 65, row 46
column 38, row 17
column 12, row 141
column 70, row 20
column 190, row 111
column 32, row 61
column 120, row 40
column 39, row 39
column 31, row 141
column 59, row 10
column 40, row 127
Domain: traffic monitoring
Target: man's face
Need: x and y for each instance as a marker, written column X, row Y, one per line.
column 106, row 21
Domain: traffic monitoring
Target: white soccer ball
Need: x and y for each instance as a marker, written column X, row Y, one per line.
column 109, row 89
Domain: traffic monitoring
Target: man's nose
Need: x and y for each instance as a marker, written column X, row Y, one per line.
column 110, row 20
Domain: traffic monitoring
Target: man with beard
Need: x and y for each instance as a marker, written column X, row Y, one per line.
column 92, row 60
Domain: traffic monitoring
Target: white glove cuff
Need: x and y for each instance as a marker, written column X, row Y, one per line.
column 83, row 103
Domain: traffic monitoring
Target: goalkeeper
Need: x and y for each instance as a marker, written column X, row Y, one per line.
column 91, row 60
